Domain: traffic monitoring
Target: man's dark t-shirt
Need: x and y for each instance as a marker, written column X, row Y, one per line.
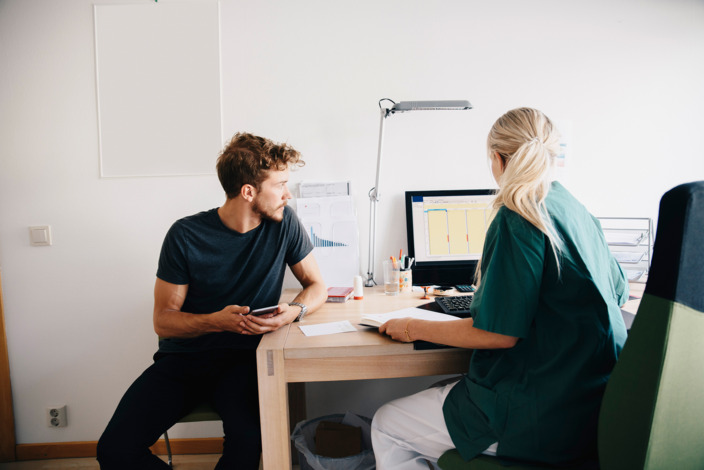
column 224, row 267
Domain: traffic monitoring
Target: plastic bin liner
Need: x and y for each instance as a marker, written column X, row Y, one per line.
column 303, row 438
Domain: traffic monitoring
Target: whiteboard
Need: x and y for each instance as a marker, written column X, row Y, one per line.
column 158, row 86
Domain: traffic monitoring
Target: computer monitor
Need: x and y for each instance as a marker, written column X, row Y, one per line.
column 446, row 230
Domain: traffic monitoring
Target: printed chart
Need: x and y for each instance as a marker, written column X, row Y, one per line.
column 331, row 224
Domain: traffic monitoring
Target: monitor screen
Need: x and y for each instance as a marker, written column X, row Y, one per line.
column 446, row 230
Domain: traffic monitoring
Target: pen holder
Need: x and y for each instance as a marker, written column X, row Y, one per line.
column 405, row 280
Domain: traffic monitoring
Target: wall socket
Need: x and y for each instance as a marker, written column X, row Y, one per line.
column 56, row 417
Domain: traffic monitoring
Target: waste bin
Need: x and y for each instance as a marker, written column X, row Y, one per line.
column 303, row 438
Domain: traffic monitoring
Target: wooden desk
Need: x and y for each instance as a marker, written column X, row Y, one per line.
column 288, row 356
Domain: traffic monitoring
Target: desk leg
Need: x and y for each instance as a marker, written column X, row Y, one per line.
column 273, row 403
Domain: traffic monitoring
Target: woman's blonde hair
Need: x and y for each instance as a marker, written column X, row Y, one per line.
column 527, row 143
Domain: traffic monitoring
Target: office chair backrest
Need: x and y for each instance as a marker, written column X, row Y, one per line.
column 652, row 415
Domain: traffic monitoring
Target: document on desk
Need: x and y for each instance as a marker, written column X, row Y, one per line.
column 378, row 319
column 327, row 328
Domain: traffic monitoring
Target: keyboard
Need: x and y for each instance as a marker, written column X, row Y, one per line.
column 457, row 305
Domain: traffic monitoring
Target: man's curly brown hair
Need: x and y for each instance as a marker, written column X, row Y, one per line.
column 248, row 158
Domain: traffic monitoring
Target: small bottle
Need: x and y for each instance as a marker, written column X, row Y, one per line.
column 358, row 288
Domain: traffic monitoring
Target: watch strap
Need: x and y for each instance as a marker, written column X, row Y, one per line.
column 304, row 310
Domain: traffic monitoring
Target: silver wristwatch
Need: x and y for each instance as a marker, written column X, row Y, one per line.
column 304, row 310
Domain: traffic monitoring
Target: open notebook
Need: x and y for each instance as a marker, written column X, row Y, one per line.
column 378, row 319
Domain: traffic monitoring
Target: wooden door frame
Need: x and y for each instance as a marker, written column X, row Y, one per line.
column 7, row 419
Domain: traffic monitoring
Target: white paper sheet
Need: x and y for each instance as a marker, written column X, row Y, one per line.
column 324, row 189
column 327, row 328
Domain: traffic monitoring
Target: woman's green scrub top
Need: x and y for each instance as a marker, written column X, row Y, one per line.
column 540, row 399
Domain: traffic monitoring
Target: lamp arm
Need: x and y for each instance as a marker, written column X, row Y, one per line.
column 373, row 200
column 370, row 282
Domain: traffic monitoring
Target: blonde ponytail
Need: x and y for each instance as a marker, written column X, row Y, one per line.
column 526, row 142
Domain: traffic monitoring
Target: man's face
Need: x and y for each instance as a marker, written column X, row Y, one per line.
column 272, row 196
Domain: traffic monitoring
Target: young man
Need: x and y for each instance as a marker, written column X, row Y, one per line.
column 216, row 267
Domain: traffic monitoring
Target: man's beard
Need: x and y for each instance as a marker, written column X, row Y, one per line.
column 268, row 213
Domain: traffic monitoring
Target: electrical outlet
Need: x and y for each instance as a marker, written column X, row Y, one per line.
column 56, row 417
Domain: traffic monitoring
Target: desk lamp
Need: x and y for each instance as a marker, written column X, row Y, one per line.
column 400, row 107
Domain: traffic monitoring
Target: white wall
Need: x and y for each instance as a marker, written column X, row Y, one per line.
column 626, row 75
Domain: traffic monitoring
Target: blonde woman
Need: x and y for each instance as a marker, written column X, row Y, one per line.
column 545, row 325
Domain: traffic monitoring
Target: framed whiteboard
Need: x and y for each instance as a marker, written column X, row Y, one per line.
column 158, row 86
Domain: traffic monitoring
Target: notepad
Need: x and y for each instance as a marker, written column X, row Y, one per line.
column 378, row 319
column 339, row 294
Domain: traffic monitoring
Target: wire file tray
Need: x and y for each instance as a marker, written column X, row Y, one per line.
column 630, row 240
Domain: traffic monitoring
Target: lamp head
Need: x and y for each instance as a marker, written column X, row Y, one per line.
column 452, row 105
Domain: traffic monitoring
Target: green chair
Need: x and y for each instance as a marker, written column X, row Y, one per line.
column 202, row 412
column 652, row 414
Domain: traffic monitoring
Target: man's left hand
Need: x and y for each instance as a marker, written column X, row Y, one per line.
column 257, row 325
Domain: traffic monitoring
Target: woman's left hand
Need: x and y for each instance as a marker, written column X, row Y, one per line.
column 397, row 329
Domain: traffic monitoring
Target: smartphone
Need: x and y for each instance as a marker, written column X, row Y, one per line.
column 264, row 311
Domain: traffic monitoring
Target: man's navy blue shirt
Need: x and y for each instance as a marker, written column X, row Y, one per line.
column 224, row 267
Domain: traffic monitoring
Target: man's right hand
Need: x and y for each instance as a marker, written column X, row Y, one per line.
column 171, row 322
column 231, row 318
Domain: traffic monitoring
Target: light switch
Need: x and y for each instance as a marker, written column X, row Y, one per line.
column 40, row 235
